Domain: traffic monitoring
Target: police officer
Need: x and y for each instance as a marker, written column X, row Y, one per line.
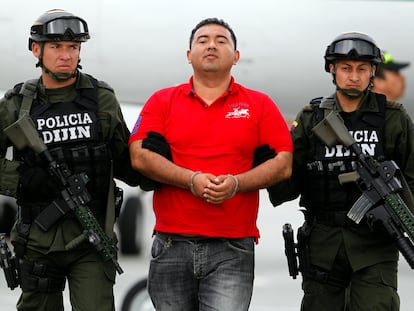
column 349, row 264
column 80, row 121
column 389, row 80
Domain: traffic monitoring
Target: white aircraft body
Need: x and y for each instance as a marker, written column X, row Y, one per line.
column 140, row 46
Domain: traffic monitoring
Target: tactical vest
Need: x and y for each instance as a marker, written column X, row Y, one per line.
column 322, row 192
column 73, row 136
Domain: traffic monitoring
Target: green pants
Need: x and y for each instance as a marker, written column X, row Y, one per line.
column 90, row 282
column 369, row 289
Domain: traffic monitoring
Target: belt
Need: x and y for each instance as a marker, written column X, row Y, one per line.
column 184, row 236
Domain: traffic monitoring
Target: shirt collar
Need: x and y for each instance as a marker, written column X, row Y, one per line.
column 368, row 103
column 189, row 88
column 82, row 82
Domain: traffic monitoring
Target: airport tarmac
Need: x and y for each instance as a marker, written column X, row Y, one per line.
column 274, row 289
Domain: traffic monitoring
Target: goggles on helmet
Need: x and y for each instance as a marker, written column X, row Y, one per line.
column 362, row 49
column 75, row 27
column 60, row 26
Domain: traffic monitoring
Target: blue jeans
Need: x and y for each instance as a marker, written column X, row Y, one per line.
column 201, row 274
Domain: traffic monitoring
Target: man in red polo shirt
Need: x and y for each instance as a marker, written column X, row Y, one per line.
column 207, row 203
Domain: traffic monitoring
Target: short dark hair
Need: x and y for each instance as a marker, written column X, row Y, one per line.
column 214, row 20
column 380, row 72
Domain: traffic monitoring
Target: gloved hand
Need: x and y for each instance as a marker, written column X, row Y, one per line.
column 147, row 184
column 36, row 184
column 157, row 143
column 262, row 154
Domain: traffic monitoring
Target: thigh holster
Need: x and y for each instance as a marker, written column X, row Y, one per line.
column 326, row 277
column 40, row 277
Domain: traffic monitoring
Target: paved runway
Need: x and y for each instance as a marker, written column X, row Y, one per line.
column 274, row 289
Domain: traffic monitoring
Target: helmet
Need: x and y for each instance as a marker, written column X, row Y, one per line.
column 58, row 25
column 353, row 45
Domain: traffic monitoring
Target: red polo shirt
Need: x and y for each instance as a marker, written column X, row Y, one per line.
column 218, row 139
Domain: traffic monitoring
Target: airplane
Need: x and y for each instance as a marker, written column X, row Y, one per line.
column 139, row 47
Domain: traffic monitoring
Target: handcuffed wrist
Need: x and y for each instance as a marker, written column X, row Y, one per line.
column 193, row 175
column 236, row 185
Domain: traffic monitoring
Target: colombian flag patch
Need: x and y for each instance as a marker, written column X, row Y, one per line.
column 293, row 126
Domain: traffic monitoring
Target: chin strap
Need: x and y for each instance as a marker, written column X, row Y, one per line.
column 351, row 93
column 60, row 76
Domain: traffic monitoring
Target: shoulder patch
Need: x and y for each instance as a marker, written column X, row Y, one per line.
column 104, row 85
column 393, row 105
column 14, row 91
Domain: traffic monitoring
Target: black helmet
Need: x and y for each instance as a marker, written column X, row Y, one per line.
column 58, row 25
column 353, row 45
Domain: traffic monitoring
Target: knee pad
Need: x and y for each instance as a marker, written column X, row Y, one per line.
column 40, row 277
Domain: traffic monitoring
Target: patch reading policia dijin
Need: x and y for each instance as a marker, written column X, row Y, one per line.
column 66, row 127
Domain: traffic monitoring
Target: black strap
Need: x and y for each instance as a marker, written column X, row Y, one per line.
column 51, row 214
column 19, row 244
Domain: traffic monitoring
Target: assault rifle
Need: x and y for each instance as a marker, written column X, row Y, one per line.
column 74, row 195
column 8, row 263
column 380, row 202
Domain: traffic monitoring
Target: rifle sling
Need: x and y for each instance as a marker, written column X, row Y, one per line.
column 110, row 206
column 29, row 91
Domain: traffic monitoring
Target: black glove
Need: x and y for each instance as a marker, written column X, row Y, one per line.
column 147, row 184
column 157, row 143
column 36, row 184
column 262, row 154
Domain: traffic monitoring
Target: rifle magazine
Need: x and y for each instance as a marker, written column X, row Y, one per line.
column 360, row 208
